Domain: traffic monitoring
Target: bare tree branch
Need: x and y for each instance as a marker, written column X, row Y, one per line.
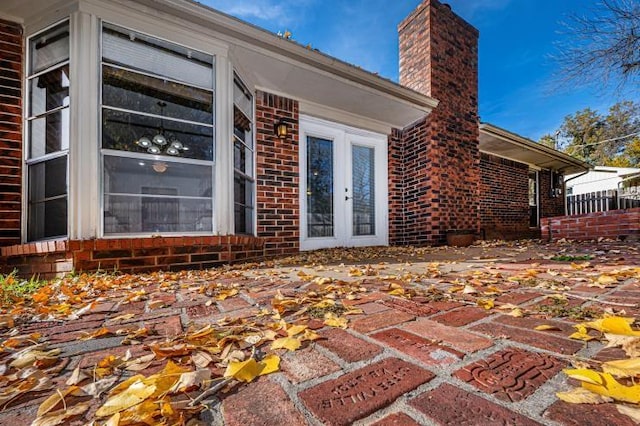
column 604, row 47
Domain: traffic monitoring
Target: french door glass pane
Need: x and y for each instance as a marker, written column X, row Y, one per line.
column 49, row 91
column 363, row 174
column 125, row 131
column 49, row 48
column 49, row 133
column 138, row 92
column 320, row 210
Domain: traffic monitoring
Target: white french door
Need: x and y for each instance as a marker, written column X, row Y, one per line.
column 343, row 186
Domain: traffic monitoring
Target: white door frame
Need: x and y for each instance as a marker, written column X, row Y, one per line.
column 344, row 137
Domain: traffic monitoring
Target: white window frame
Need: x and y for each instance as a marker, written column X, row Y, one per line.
column 26, row 98
column 133, row 155
column 84, row 189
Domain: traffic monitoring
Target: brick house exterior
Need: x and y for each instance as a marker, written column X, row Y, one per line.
column 409, row 162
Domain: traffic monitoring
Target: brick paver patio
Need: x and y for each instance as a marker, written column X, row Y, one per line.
column 403, row 360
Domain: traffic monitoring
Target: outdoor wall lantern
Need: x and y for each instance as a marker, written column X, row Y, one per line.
column 281, row 129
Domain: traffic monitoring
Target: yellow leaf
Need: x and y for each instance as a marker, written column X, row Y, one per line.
column 485, row 303
column 469, row 289
column 517, row 312
column 585, row 375
column 60, row 416
column 622, row 367
column 98, row 333
column 55, row 399
column 133, row 395
column 355, row 272
column 310, row 335
column 606, row 280
column 632, row 412
column 397, row 292
column 612, row 388
column 290, row 343
column 227, row 293
column 581, row 334
column 614, row 324
column 582, row 396
column 244, row 371
column 333, row 320
column 113, row 420
column 325, row 303
column 296, row 329
column 270, row 364
column 28, row 356
column 546, row 327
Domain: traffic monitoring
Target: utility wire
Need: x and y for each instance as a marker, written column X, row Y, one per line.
column 608, row 140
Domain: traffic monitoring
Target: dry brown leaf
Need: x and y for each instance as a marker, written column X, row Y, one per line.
column 61, row 416
column 190, row 380
column 582, row 396
column 632, row 412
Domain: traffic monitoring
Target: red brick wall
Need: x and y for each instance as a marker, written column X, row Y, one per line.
column 504, row 198
column 396, row 183
column 278, row 209
column 550, row 205
column 132, row 255
column 11, row 61
column 439, row 57
column 623, row 224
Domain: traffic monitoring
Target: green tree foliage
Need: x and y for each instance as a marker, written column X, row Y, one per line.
column 611, row 139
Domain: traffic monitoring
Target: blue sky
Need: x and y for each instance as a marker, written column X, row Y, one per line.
column 517, row 38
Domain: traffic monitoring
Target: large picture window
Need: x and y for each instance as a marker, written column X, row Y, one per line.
column 157, row 135
column 48, row 133
column 243, row 179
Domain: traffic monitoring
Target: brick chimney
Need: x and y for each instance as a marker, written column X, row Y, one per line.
column 441, row 161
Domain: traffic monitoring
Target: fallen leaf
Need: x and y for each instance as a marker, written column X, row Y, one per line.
column 517, row 312
column 104, row 331
column 290, row 343
column 631, row 412
column 133, row 395
column 485, row 303
column 546, row 327
column 191, row 379
column 61, row 416
column 56, row 398
column 244, row 371
column 582, row 396
column 28, row 356
column 296, row 329
column 99, row 387
column 76, row 377
column 271, row 364
column 630, row 344
column 623, row 367
column 332, row 320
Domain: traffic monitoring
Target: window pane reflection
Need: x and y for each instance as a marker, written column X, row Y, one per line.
column 319, row 188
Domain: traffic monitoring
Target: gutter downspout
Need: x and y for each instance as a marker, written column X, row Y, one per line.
column 566, row 206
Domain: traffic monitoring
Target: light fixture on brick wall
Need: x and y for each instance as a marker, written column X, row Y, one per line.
column 281, row 129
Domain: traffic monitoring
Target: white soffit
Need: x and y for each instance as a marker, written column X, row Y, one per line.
column 502, row 143
column 305, row 83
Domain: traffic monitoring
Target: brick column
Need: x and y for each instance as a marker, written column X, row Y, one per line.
column 277, row 163
column 439, row 57
column 11, row 64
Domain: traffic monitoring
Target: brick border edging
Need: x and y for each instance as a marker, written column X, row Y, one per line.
column 614, row 224
column 54, row 258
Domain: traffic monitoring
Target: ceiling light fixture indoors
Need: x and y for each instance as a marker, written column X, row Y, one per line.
column 162, row 142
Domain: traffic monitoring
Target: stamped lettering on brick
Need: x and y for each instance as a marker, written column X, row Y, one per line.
column 425, row 350
column 452, row 406
column 511, row 374
column 364, row 391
